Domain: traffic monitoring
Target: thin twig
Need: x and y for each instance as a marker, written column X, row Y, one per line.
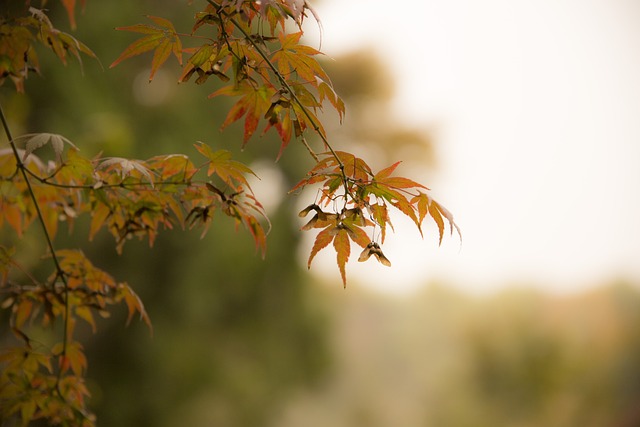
column 59, row 271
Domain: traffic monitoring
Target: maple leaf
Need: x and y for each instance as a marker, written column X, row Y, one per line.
column 253, row 102
column 322, row 241
column 38, row 140
column 343, row 250
column 293, row 57
column 134, row 304
column 61, row 43
column 163, row 39
column 427, row 206
column 125, row 167
column 230, row 171
column 325, row 91
column 70, row 6
column 384, row 178
column 71, row 356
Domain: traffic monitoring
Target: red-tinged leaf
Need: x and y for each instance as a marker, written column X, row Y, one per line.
column 322, row 241
column 284, row 128
column 70, row 6
column 313, row 179
column 343, row 250
column 250, row 126
column 98, row 217
column 254, row 103
column 13, row 216
column 50, row 218
column 307, row 119
column 257, row 231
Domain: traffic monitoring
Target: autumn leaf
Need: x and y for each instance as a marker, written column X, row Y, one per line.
column 293, row 57
column 70, row 6
column 427, row 206
column 325, row 91
column 232, row 172
column 125, row 167
column 322, row 241
column 134, row 304
column 163, row 39
column 253, row 103
column 343, row 250
column 71, row 357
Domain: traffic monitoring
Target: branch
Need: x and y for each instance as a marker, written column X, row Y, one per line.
column 285, row 85
column 59, row 271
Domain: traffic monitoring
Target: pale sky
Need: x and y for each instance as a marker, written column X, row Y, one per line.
column 538, row 109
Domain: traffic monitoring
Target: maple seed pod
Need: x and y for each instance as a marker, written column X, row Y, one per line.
column 305, row 211
column 311, row 224
column 374, row 249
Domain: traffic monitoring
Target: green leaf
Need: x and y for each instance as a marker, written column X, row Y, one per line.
column 230, row 171
column 34, row 141
column 163, row 40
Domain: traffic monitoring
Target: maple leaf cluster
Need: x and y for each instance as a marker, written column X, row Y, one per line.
column 277, row 83
column 363, row 198
column 18, row 36
column 127, row 197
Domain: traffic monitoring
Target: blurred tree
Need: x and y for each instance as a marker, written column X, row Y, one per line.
column 516, row 359
column 362, row 80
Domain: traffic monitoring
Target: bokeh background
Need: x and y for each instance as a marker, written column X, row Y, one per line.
column 523, row 119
